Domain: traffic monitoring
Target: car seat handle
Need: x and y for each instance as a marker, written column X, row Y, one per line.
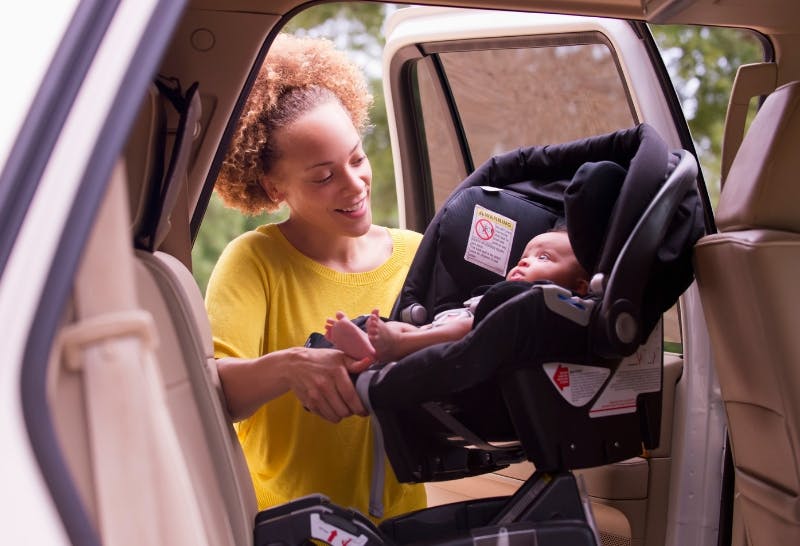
column 625, row 286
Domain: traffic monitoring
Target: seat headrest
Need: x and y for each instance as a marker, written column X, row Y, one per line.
column 761, row 189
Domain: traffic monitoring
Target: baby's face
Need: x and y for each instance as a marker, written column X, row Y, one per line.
column 549, row 257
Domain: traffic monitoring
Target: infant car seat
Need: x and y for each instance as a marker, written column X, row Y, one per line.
column 564, row 381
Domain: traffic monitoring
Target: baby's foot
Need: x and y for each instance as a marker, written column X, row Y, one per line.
column 381, row 337
column 348, row 337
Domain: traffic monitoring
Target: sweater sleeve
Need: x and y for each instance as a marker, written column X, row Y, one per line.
column 237, row 300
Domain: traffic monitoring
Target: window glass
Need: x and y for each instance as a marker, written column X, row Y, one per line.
column 535, row 95
column 445, row 162
column 673, row 340
column 506, row 95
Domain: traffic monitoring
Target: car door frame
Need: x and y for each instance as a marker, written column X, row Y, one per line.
column 698, row 424
column 48, row 213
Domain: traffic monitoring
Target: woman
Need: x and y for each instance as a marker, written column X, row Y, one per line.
column 298, row 143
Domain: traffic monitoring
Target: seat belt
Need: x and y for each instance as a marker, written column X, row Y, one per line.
column 143, row 492
column 189, row 108
column 166, row 188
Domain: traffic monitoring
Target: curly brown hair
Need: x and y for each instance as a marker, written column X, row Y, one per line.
column 297, row 75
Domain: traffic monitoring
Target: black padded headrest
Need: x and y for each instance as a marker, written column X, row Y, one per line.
column 588, row 208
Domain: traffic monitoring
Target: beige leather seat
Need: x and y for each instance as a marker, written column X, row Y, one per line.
column 749, row 280
column 167, row 290
column 151, row 454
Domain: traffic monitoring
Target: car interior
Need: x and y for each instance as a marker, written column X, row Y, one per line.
column 144, row 451
column 757, row 236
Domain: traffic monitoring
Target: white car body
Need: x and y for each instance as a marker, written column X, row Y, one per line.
column 76, row 75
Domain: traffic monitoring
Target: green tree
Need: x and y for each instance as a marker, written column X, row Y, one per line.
column 702, row 62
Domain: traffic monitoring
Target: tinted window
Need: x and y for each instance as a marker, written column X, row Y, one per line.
column 509, row 95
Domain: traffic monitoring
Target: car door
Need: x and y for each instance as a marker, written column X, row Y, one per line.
column 462, row 86
column 83, row 417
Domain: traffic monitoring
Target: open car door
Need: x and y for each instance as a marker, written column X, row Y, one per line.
column 462, row 86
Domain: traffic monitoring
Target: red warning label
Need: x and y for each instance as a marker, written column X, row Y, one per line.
column 561, row 377
column 484, row 229
column 576, row 383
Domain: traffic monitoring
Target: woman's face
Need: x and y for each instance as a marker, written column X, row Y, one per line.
column 323, row 174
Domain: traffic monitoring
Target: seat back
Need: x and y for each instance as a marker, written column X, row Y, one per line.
column 133, row 383
column 167, row 290
column 748, row 280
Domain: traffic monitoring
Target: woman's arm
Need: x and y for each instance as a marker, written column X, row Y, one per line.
column 318, row 377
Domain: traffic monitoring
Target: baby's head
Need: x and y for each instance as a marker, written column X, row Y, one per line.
column 549, row 257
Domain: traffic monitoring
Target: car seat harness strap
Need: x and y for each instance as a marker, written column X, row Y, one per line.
column 378, row 450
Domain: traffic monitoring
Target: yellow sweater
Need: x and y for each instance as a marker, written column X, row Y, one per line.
column 263, row 296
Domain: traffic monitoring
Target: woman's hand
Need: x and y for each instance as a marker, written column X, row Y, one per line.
column 320, row 380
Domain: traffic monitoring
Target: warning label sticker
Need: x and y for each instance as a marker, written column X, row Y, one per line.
column 637, row 374
column 490, row 238
column 333, row 535
column 576, row 383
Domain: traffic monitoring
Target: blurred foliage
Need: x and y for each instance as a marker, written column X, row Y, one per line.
column 701, row 61
column 353, row 25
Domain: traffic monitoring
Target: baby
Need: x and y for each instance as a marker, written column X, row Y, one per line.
column 547, row 257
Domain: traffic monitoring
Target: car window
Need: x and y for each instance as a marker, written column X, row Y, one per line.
column 516, row 92
column 536, row 95
column 702, row 64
